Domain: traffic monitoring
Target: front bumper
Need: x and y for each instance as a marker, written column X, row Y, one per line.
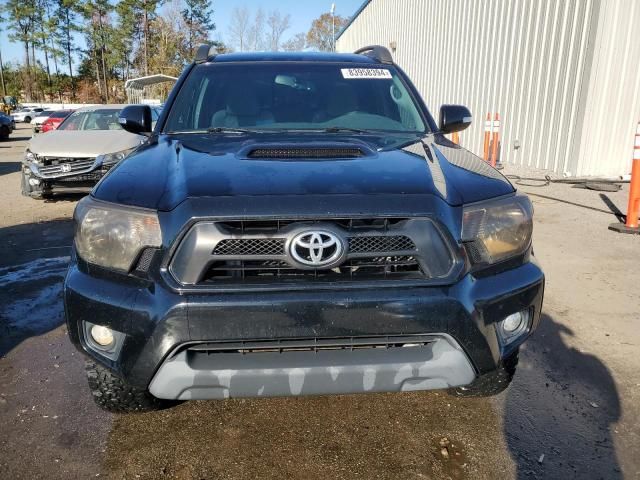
column 83, row 173
column 161, row 326
column 436, row 362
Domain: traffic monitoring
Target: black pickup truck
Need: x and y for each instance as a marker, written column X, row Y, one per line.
column 298, row 224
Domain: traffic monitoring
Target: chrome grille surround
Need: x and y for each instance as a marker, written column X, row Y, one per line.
column 214, row 254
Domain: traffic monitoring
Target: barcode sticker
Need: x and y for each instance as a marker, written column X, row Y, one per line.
column 365, row 73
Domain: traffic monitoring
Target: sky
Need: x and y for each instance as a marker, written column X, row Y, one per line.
column 302, row 12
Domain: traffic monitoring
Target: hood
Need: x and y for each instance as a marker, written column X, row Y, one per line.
column 82, row 143
column 170, row 169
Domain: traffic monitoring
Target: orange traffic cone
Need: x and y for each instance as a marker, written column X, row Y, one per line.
column 633, row 209
column 487, row 137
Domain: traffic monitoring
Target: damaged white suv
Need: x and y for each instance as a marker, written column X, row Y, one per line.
column 75, row 156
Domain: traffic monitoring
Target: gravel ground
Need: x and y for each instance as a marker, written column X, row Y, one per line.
column 572, row 411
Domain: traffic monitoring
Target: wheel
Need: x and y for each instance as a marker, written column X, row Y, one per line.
column 492, row 383
column 4, row 132
column 113, row 394
column 27, row 119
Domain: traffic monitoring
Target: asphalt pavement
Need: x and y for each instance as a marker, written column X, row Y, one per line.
column 571, row 412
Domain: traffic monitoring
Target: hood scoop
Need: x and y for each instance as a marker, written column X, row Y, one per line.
column 305, row 152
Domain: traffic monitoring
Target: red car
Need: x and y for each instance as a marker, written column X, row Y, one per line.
column 54, row 120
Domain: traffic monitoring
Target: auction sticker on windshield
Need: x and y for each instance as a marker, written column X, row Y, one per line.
column 365, row 73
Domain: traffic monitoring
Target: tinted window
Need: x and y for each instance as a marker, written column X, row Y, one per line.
column 291, row 95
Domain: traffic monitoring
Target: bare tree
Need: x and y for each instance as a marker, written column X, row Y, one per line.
column 256, row 32
column 320, row 36
column 297, row 43
column 277, row 25
column 239, row 28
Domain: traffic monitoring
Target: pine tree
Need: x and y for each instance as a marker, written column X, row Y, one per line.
column 197, row 16
column 21, row 17
column 66, row 14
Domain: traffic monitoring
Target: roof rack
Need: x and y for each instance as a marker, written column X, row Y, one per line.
column 376, row 52
column 204, row 53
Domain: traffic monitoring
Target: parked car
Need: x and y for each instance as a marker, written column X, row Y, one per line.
column 26, row 114
column 54, row 120
column 78, row 153
column 7, row 125
column 298, row 224
column 39, row 119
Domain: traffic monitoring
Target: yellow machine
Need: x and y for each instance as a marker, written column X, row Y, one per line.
column 8, row 104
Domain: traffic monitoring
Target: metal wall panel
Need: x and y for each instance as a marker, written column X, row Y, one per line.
column 563, row 75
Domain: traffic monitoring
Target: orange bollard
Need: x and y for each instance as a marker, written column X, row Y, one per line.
column 487, row 136
column 495, row 140
column 455, row 138
column 633, row 209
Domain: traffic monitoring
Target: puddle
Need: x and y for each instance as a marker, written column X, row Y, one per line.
column 31, row 298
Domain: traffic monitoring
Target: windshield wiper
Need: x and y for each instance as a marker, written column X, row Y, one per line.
column 213, row 130
column 343, row 129
column 229, row 130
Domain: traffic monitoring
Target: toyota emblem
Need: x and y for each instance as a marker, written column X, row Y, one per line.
column 316, row 248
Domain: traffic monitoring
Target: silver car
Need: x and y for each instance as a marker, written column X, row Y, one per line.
column 78, row 153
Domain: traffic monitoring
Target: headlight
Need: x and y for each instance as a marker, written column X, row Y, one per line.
column 112, row 236
column 115, row 157
column 497, row 230
column 29, row 157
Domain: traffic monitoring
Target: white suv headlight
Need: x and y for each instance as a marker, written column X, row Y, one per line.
column 113, row 236
column 498, row 229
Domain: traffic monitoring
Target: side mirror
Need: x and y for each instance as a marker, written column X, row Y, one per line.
column 454, row 118
column 136, row 119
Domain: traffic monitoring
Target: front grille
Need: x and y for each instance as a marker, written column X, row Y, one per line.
column 239, row 252
column 81, row 177
column 55, row 166
column 250, row 246
column 240, row 227
column 276, row 246
column 395, row 243
column 315, row 344
column 258, row 271
column 305, row 153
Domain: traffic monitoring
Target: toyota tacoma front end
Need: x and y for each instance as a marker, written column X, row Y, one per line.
column 297, row 224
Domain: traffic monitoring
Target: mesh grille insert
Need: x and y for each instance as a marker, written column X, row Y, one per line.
column 380, row 243
column 250, row 246
column 305, row 153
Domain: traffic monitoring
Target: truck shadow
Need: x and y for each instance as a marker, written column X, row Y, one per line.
column 33, row 261
column 9, row 167
column 560, row 409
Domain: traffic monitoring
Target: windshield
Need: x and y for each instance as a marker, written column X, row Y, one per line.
column 103, row 119
column 293, row 96
column 60, row 114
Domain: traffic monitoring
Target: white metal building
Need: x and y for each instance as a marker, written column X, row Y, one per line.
column 563, row 75
column 141, row 90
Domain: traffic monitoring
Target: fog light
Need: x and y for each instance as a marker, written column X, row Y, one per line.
column 512, row 322
column 103, row 336
column 34, row 181
column 513, row 327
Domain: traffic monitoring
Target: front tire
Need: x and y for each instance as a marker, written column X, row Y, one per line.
column 114, row 395
column 27, row 119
